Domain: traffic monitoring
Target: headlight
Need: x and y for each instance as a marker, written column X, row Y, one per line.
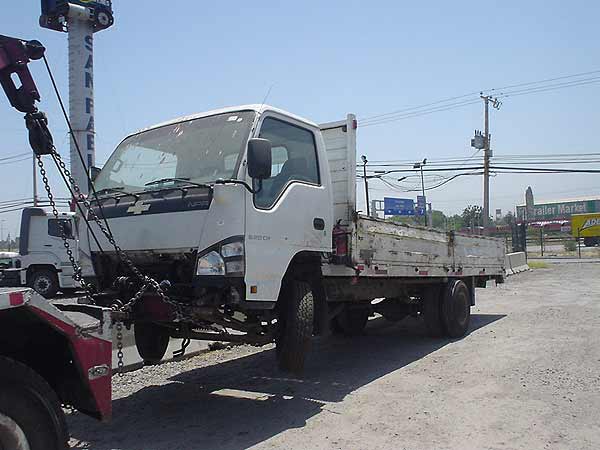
column 210, row 264
column 232, row 249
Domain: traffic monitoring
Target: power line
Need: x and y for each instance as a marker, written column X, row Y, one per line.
column 442, row 105
column 547, row 80
column 15, row 156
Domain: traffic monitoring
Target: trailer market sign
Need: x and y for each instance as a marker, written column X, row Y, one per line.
column 559, row 210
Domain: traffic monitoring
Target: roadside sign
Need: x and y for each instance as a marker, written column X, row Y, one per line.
column 421, row 205
column 398, row 206
column 585, row 225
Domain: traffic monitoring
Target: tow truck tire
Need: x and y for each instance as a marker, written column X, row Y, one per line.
column 456, row 309
column 351, row 322
column 432, row 312
column 44, row 282
column 151, row 341
column 296, row 321
column 28, row 402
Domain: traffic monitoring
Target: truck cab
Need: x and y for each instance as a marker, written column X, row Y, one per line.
column 177, row 198
column 42, row 262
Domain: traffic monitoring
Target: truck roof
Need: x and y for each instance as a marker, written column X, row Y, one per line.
column 253, row 107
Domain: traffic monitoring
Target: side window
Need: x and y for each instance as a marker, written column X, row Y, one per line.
column 56, row 227
column 294, row 158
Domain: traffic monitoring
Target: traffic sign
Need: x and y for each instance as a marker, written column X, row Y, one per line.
column 398, row 206
column 421, row 205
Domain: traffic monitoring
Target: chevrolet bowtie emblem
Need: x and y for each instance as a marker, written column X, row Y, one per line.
column 138, row 208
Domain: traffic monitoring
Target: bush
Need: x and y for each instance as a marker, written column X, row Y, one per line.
column 570, row 246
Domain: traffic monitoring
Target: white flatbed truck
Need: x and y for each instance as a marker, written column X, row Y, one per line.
column 247, row 217
column 50, row 355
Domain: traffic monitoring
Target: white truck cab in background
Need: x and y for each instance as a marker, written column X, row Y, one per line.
column 42, row 262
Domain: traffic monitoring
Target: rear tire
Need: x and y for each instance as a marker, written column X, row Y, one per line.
column 432, row 313
column 456, row 309
column 44, row 282
column 30, row 413
column 295, row 329
column 352, row 322
column 151, row 341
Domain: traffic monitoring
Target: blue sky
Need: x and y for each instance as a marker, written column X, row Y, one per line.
column 325, row 59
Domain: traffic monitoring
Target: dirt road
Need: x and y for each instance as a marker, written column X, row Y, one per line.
column 526, row 377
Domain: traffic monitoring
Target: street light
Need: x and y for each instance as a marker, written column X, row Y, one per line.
column 419, row 165
column 365, row 161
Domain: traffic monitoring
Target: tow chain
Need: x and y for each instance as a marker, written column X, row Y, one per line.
column 148, row 283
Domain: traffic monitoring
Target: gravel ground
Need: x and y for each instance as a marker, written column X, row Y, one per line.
column 526, row 377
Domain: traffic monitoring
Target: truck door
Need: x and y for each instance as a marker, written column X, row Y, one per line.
column 292, row 211
column 54, row 243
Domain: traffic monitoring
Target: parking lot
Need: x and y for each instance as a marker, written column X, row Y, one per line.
column 527, row 376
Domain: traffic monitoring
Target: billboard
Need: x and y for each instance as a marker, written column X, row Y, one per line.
column 585, row 225
column 558, row 210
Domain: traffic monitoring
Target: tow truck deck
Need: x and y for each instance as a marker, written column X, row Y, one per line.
column 50, row 355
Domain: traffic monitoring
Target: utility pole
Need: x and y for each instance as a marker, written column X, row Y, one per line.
column 419, row 165
column 364, row 160
column 486, row 156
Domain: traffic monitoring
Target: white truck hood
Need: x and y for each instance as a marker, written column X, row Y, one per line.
column 172, row 222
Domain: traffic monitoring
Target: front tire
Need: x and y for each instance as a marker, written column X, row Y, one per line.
column 31, row 417
column 151, row 341
column 44, row 282
column 295, row 329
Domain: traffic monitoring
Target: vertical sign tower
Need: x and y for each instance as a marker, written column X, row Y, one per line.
column 80, row 19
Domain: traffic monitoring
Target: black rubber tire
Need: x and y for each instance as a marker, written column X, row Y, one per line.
column 44, row 282
column 456, row 309
column 28, row 400
column 432, row 313
column 351, row 321
column 151, row 341
column 296, row 321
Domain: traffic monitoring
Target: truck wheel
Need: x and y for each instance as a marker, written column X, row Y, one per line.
column 151, row 341
column 30, row 414
column 296, row 317
column 432, row 313
column 456, row 309
column 351, row 322
column 44, row 282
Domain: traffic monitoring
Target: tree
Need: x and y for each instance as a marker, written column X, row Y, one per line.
column 472, row 216
column 438, row 219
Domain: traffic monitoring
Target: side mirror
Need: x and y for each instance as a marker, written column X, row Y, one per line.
column 259, row 158
column 94, row 172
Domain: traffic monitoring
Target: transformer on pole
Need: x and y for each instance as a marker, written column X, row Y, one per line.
column 80, row 19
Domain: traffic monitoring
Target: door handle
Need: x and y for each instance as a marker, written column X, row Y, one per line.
column 318, row 223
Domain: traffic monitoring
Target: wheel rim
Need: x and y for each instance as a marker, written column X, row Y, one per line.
column 12, row 436
column 42, row 284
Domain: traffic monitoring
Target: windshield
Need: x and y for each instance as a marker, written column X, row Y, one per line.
column 199, row 150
